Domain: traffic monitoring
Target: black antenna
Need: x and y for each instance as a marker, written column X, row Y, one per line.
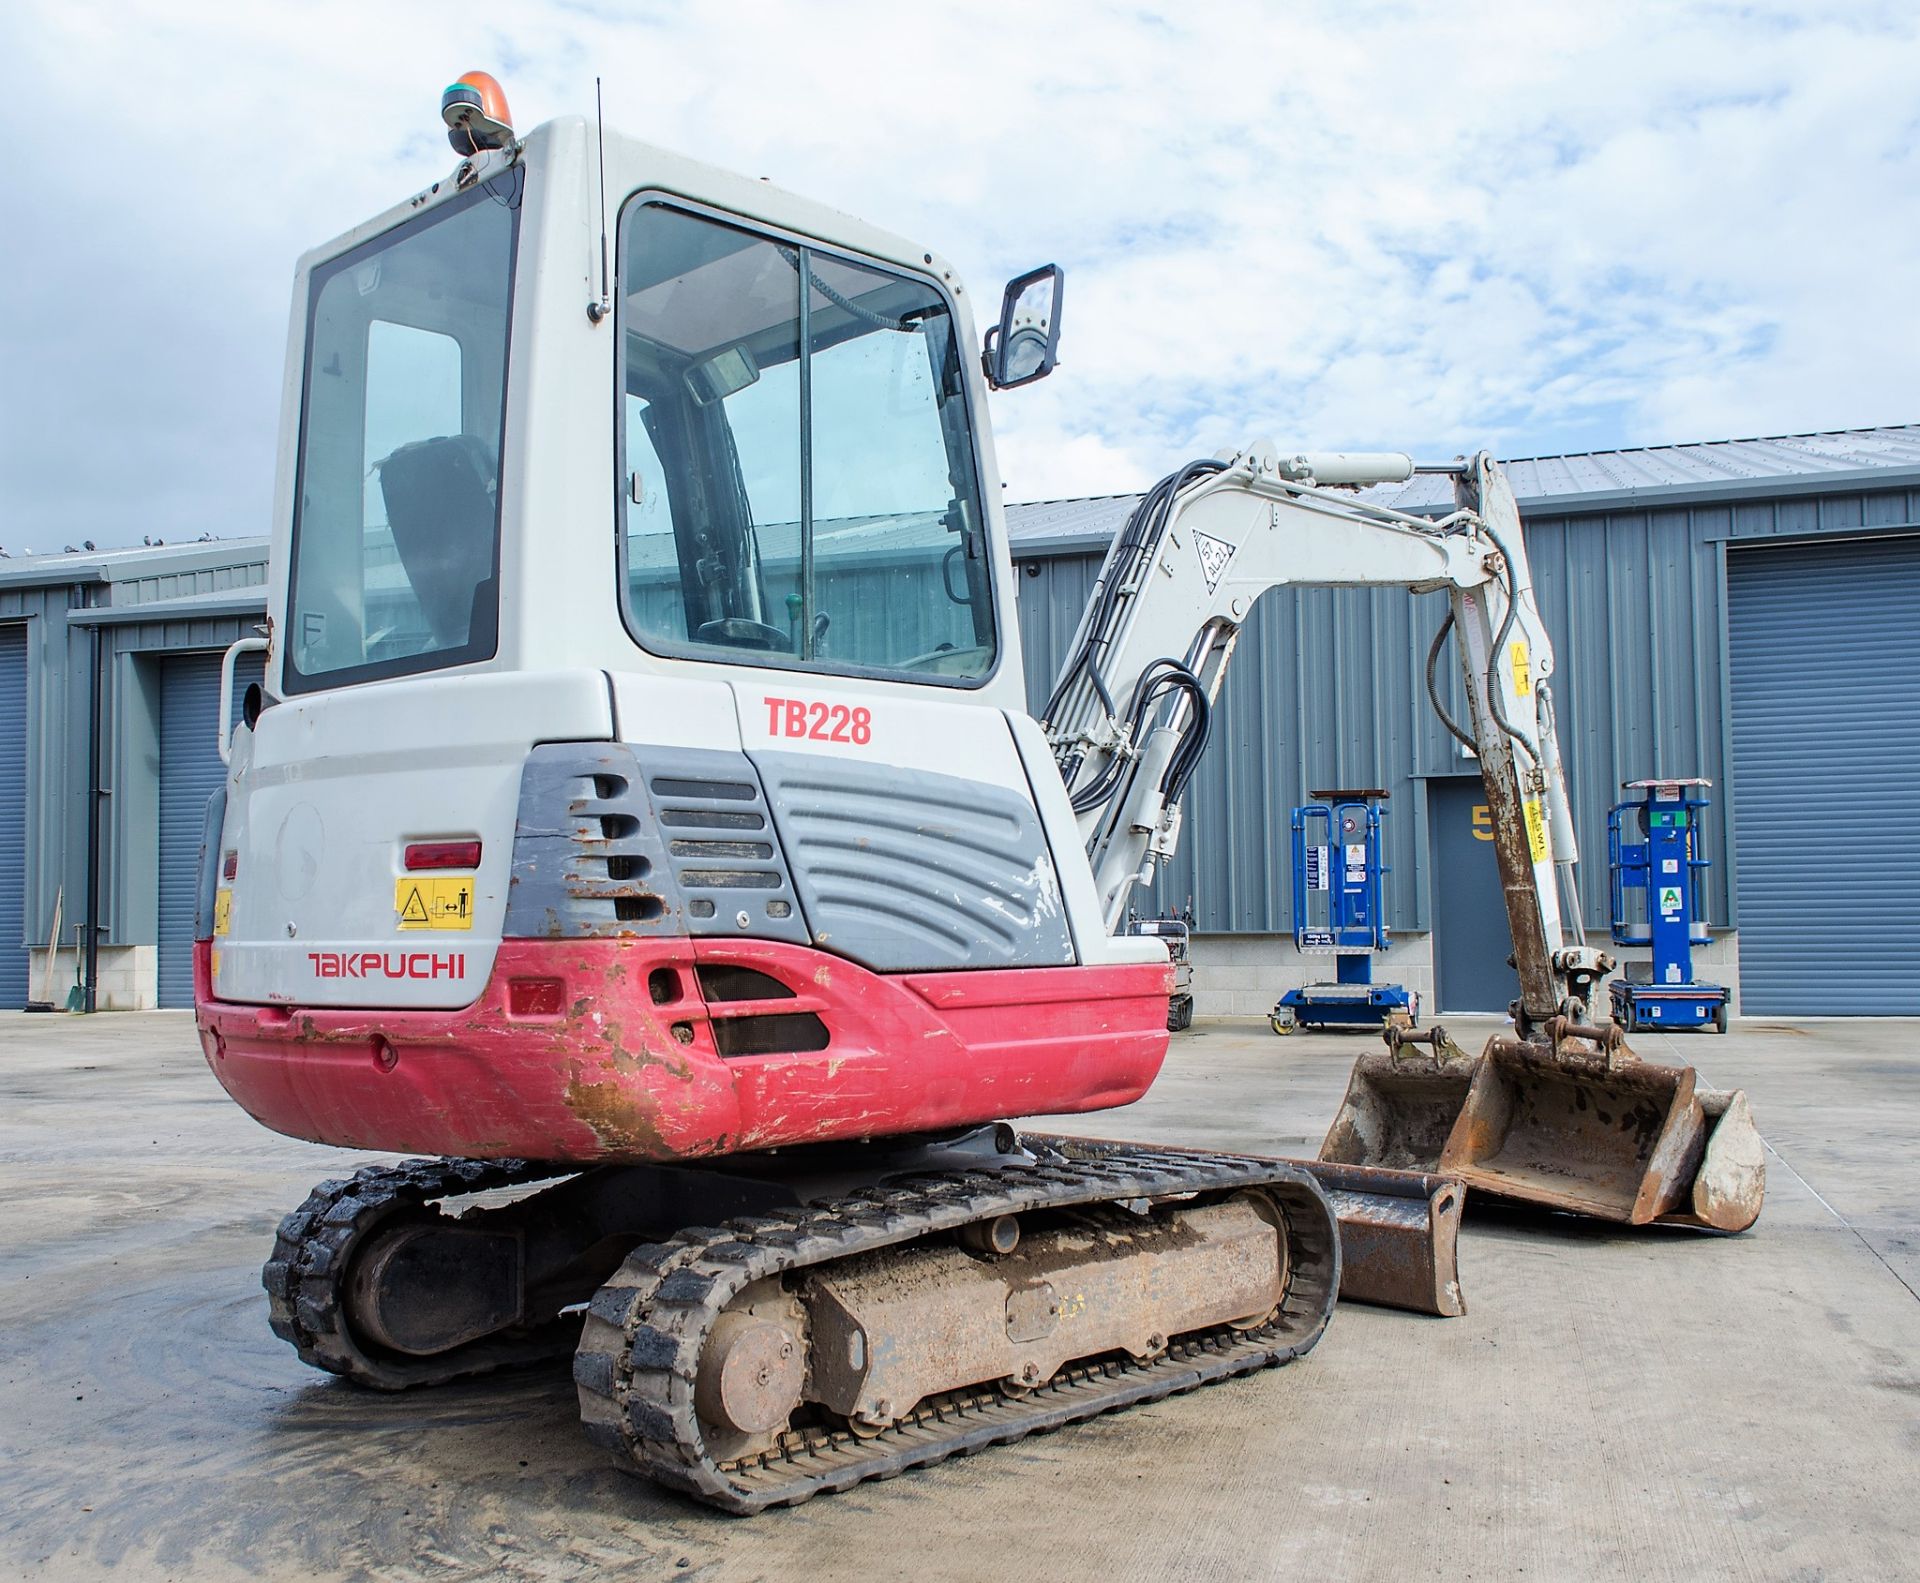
column 596, row 311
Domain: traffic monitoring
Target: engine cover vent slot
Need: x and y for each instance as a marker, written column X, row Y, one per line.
column 666, row 788
column 777, row 1033
column 730, row 879
column 713, row 851
column 724, row 981
column 712, row 819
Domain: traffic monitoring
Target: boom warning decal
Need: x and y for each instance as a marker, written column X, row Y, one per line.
column 1214, row 555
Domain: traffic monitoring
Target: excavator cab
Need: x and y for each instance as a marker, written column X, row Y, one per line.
column 643, row 658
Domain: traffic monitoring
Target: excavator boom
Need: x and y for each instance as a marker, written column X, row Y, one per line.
column 1560, row 1113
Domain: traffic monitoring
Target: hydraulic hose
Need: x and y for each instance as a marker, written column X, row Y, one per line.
column 1140, row 535
column 1433, row 684
column 1494, row 699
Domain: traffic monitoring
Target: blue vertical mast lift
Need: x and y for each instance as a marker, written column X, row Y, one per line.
column 1660, row 867
column 1339, row 873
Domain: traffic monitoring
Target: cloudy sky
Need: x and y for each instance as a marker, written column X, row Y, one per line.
column 1535, row 226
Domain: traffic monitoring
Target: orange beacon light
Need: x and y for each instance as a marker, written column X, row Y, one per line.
column 475, row 110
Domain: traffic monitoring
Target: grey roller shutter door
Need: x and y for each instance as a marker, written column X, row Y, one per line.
column 1825, row 645
column 190, row 773
column 13, row 817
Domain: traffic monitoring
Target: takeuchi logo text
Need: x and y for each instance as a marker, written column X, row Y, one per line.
column 388, row 964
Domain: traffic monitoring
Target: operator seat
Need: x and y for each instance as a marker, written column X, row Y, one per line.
column 441, row 508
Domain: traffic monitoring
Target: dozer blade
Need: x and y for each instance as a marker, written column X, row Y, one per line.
column 1399, row 1237
column 1571, row 1120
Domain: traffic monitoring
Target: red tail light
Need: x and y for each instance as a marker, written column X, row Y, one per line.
column 231, row 866
column 442, row 854
column 535, row 997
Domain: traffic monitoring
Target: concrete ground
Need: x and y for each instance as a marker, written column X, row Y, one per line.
column 1639, row 1406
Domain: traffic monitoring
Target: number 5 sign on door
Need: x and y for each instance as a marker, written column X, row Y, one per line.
column 818, row 722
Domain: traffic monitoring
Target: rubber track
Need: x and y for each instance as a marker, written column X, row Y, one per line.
column 314, row 1249
column 645, row 1329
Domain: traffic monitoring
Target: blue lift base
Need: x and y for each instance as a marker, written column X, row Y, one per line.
column 1688, row 1005
column 1365, row 1006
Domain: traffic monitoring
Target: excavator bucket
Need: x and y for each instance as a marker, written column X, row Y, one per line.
column 1569, row 1128
column 1571, row 1120
column 1731, row 1181
column 1401, row 1103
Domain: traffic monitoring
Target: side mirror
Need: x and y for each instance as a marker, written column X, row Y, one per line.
column 1025, row 344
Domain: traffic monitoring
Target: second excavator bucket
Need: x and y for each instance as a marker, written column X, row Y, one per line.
column 1401, row 1104
column 1569, row 1120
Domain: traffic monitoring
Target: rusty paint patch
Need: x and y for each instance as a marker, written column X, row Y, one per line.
column 622, row 1124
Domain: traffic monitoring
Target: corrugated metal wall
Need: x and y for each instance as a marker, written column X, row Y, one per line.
column 54, row 749
column 190, row 772
column 193, row 570
column 13, row 816
column 1825, row 641
column 1326, row 690
column 43, row 597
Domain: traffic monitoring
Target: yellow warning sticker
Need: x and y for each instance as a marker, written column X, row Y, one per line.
column 1522, row 672
column 442, row 901
column 1536, row 829
column 222, row 911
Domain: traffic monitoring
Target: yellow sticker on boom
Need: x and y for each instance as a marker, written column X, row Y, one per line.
column 1522, row 672
column 222, row 911
column 442, row 901
column 1536, row 829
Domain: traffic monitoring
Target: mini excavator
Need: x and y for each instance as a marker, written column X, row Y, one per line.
column 641, row 822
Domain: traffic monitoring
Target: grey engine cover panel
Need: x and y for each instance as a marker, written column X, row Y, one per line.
column 614, row 840
column 911, row 871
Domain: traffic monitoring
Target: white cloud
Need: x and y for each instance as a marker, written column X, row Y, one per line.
column 1535, row 227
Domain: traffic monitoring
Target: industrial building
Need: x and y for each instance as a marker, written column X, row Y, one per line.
column 1747, row 611
column 109, row 683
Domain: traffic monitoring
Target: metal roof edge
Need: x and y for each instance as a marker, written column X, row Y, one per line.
column 51, row 575
column 248, row 601
column 122, row 563
column 1595, row 502
column 1713, row 491
column 188, row 558
column 1053, row 546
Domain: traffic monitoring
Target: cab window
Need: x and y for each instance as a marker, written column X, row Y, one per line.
column 396, row 515
column 797, row 477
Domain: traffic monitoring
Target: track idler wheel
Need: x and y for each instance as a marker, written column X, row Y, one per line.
column 752, row 1370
